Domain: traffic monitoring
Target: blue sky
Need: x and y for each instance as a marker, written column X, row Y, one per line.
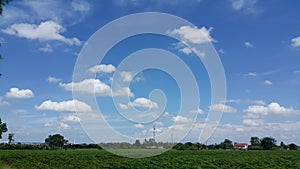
column 258, row 43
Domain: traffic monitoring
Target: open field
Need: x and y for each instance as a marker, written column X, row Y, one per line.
column 171, row 159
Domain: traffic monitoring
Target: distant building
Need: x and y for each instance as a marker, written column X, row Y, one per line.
column 240, row 146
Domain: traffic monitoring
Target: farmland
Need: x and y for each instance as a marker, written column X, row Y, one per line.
column 95, row 158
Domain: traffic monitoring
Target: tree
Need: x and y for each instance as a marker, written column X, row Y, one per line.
column 55, row 141
column 268, row 143
column 3, row 128
column 254, row 141
column 2, row 4
column 137, row 143
column 293, row 146
column 10, row 137
column 227, row 144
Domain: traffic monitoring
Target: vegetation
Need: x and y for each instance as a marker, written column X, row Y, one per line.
column 23, row 159
column 55, row 141
column 3, row 128
column 10, row 137
column 2, row 4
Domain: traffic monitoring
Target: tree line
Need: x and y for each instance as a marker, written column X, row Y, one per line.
column 58, row 141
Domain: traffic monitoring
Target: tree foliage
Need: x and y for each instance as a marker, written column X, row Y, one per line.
column 254, row 141
column 268, row 143
column 2, row 4
column 3, row 128
column 10, row 137
column 227, row 144
column 55, row 141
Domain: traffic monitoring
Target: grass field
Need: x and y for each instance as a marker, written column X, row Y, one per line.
column 172, row 159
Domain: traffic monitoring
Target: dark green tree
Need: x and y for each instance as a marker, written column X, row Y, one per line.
column 227, row 144
column 55, row 141
column 137, row 143
column 254, row 141
column 2, row 4
column 3, row 128
column 10, row 137
column 293, row 146
column 268, row 143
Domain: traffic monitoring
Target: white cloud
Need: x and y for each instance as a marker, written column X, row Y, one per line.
column 166, row 114
column 123, row 106
column 193, row 35
column 45, row 31
column 79, row 5
column 259, row 102
column 248, row 6
column 181, row 119
column 252, row 122
column 127, row 76
column 158, row 123
column 102, row 68
column 53, row 79
column 248, row 45
column 72, row 118
column 268, row 82
column 3, row 102
column 63, row 125
column 222, row 108
column 251, row 74
column 143, row 103
column 69, row 13
column 221, row 51
column 47, row 49
column 272, row 108
column 296, row 72
column 19, row 93
column 95, row 86
column 295, row 42
column 198, row 111
column 139, row 125
column 65, row 106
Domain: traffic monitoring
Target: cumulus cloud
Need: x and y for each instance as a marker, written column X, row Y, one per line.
column 193, row 35
column 139, row 125
column 81, row 6
column 102, row 68
column 95, row 86
column 247, row 6
column 268, row 82
column 45, row 31
column 53, row 79
column 3, row 102
column 222, row 108
column 63, row 125
column 295, row 42
column 252, row 122
column 72, row 118
column 126, row 76
column 181, row 119
column 198, row 111
column 47, row 49
column 19, row 93
column 143, row 103
column 65, row 106
column 273, row 108
column 123, row 106
column 248, row 45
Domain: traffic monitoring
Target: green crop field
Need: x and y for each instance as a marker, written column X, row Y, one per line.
column 172, row 159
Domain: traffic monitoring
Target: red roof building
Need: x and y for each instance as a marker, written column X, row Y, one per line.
column 240, row 146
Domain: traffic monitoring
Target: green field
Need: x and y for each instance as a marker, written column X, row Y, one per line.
column 172, row 159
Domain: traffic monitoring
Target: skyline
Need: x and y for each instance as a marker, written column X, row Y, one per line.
column 257, row 42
